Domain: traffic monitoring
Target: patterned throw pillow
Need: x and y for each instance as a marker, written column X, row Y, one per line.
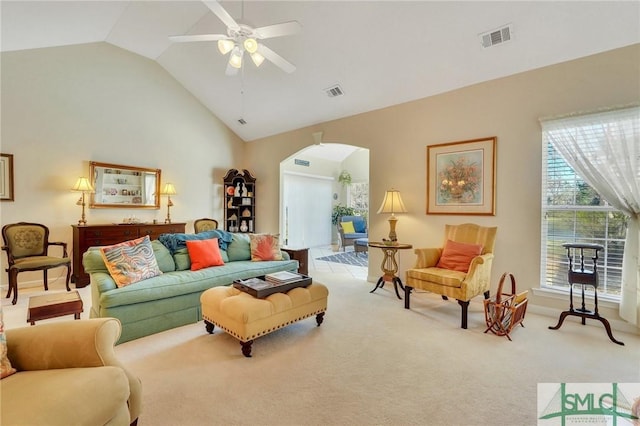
column 131, row 261
column 204, row 253
column 265, row 247
column 457, row 256
column 5, row 365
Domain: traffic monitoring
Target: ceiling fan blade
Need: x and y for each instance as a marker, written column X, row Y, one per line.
column 231, row 71
column 276, row 59
column 199, row 37
column 221, row 13
column 278, row 30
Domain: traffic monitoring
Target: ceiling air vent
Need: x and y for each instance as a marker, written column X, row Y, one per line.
column 498, row 36
column 242, row 121
column 334, row 91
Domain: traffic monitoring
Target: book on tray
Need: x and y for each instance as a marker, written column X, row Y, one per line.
column 255, row 283
column 283, row 277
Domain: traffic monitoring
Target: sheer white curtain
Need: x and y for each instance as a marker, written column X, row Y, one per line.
column 604, row 149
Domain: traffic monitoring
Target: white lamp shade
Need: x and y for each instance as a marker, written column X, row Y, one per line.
column 257, row 58
column 225, row 46
column 82, row 185
column 250, row 45
column 168, row 189
column 236, row 58
column 392, row 203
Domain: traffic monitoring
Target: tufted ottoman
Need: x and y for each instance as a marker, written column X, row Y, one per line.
column 247, row 318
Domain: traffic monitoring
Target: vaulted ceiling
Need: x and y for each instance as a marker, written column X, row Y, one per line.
column 381, row 53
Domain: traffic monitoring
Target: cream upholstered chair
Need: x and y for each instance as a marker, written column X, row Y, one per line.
column 468, row 244
column 202, row 225
column 27, row 247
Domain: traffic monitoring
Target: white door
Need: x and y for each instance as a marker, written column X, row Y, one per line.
column 306, row 210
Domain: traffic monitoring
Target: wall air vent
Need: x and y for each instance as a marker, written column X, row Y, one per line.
column 242, row 121
column 497, row 36
column 334, row 91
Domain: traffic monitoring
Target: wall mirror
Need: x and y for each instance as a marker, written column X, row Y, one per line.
column 124, row 186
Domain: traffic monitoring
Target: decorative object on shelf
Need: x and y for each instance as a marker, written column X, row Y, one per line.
column 461, row 177
column 230, row 190
column 243, row 226
column 244, row 190
column 344, row 178
column 230, row 203
column 6, row 177
column 168, row 190
column 82, row 185
column 237, row 191
column 392, row 203
column 246, row 213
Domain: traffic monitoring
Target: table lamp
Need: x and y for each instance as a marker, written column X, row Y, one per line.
column 168, row 190
column 392, row 203
column 82, row 185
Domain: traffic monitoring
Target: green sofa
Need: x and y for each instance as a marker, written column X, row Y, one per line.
column 172, row 299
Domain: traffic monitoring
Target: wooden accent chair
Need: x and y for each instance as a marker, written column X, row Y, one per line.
column 430, row 274
column 27, row 247
column 202, row 225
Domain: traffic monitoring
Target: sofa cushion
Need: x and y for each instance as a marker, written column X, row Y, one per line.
column 239, row 248
column 163, row 256
column 204, row 253
column 131, row 261
column 457, row 256
column 177, row 241
column 264, row 247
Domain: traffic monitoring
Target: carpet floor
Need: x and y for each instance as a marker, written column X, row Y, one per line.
column 372, row 362
column 348, row 258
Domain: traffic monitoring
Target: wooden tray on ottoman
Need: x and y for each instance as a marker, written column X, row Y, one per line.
column 260, row 288
column 54, row 305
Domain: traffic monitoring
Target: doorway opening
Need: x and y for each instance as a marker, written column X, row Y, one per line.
column 310, row 188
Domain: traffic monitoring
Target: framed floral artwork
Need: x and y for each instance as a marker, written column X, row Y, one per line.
column 6, row 177
column 461, row 177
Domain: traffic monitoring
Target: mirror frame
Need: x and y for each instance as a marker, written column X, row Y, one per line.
column 97, row 172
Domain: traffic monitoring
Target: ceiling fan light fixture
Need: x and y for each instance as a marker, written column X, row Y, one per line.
column 225, row 46
column 257, row 58
column 236, row 58
column 250, row 45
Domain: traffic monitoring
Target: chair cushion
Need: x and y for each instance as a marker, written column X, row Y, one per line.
column 444, row 277
column 29, row 263
column 359, row 224
column 347, row 227
column 204, row 253
column 457, row 256
column 130, row 261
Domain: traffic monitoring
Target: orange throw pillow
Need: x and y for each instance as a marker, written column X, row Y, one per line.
column 264, row 247
column 204, row 253
column 457, row 256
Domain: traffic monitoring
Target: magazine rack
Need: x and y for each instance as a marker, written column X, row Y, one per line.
column 507, row 310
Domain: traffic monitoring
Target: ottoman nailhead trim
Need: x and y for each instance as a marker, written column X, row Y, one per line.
column 263, row 332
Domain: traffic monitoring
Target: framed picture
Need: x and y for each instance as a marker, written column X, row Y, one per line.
column 461, row 177
column 6, row 177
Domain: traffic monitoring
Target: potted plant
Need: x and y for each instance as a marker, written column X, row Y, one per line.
column 344, row 178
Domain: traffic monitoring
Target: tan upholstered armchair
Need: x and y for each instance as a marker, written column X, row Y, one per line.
column 430, row 275
column 27, row 247
column 202, row 225
column 68, row 373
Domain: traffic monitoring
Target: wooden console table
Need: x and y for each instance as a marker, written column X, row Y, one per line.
column 301, row 255
column 85, row 236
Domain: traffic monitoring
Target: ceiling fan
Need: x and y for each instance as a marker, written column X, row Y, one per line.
column 242, row 38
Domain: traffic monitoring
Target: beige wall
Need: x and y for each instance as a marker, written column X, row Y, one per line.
column 508, row 108
column 63, row 107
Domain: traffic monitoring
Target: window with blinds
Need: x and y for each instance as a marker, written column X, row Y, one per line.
column 572, row 211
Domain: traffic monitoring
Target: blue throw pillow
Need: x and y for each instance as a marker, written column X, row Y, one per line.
column 359, row 225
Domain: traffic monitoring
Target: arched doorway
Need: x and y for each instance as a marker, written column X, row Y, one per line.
column 309, row 189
